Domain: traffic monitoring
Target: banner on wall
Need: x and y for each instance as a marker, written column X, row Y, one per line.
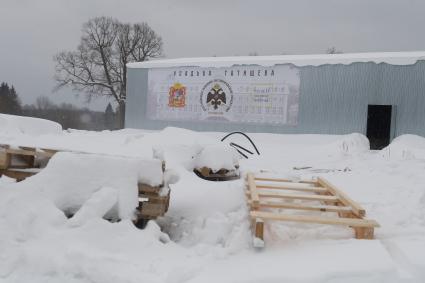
column 239, row 94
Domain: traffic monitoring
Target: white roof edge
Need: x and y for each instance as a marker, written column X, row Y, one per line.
column 393, row 58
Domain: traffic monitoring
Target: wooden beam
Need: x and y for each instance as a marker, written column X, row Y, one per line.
column 353, row 222
column 253, row 191
column 344, row 198
column 293, row 188
column 284, row 180
column 323, row 208
column 294, row 196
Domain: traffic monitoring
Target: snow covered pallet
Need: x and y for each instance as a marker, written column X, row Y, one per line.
column 267, row 197
column 20, row 162
column 153, row 201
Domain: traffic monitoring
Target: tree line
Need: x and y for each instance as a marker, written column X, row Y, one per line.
column 66, row 114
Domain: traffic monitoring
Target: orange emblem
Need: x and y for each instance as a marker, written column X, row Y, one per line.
column 177, row 95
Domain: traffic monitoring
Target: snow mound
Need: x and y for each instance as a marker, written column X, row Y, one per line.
column 217, row 157
column 350, row 144
column 11, row 124
column 71, row 179
column 406, row 147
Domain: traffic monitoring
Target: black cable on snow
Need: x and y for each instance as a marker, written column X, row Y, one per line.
column 246, row 136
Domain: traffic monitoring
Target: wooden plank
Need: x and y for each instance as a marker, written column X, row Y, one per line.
column 353, row 222
column 253, row 191
column 144, row 188
column 323, row 208
column 294, row 196
column 152, row 209
column 21, row 151
column 155, row 199
column 344, row 198
column 284, row 180
column 293, row 188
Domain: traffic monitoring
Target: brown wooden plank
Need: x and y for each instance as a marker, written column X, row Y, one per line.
column 344, row 198
column 293, row 188
column 353, row 222
column 296, row 196
column 322, row 208
column 144, row 188
column 284, row 180
column 153, row 209
column 21, row 151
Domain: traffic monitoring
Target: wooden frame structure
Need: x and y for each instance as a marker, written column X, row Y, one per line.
column 268, row 198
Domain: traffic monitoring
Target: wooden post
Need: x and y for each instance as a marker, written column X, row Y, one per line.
column 364, row 232
column 259, row 228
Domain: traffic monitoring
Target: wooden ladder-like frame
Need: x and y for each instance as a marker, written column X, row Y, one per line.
column 321, row 196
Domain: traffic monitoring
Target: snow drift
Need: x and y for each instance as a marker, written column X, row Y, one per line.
column 70, row 180
column 406, row 147
column 11, row 124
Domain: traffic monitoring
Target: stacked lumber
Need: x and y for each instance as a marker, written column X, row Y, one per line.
column 269, row 199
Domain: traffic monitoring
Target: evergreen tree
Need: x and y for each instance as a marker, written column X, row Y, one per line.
column 9, row 100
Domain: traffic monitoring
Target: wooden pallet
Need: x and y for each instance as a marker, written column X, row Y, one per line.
column 153, row 202
column 268, row 200
column 26, row 156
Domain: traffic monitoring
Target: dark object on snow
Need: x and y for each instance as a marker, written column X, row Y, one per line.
column 239, row 147
column 221, row 175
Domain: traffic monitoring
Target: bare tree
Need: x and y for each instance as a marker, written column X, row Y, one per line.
column 44, row 103
column 98, row 66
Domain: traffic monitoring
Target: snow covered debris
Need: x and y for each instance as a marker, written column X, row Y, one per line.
column 11, row 124
column 217, row 157
column 70, row 180
column 350, row 144
column 96, row 206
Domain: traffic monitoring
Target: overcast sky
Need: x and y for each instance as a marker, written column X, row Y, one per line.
column 32, row 31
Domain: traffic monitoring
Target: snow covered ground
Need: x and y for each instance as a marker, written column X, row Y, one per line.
column 205, row 235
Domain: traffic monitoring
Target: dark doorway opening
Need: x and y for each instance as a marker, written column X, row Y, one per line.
column 379, row 125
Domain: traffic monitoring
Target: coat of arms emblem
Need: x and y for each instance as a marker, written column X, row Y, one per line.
column 177, row 95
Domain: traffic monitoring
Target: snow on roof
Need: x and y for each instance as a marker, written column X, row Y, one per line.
column 393, row 58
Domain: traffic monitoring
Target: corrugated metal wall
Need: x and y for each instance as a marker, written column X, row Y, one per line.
column 333, row 100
